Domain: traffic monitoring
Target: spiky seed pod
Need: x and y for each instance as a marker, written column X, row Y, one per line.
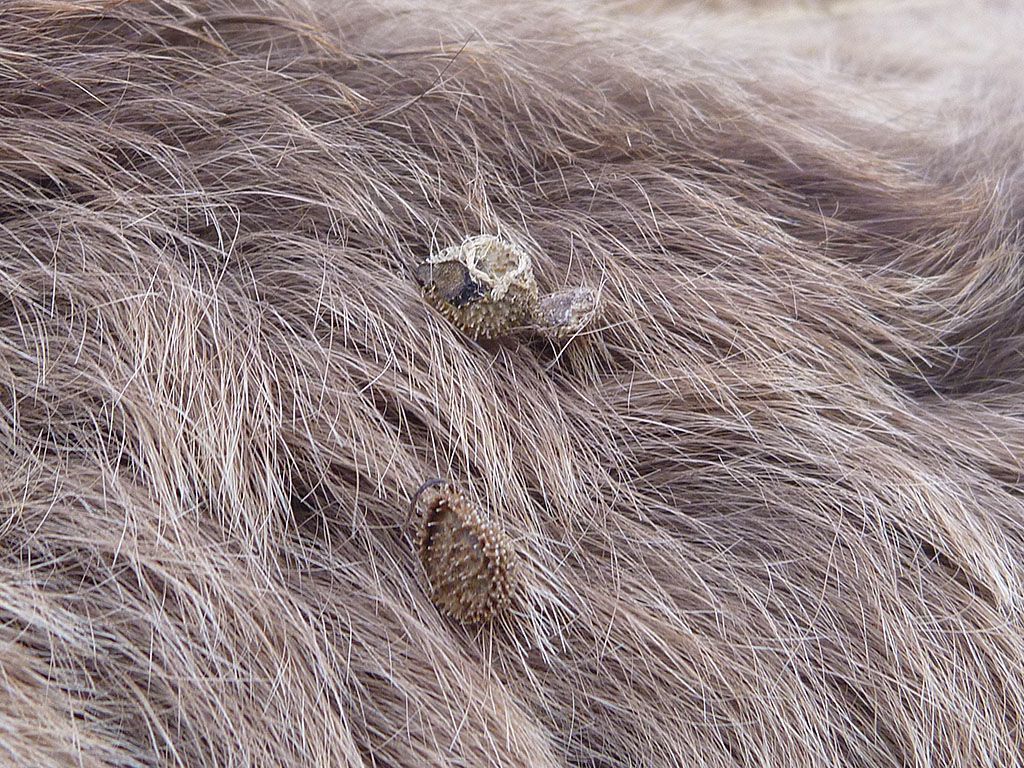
column 485, row 286
column 469, row 561
column 566, row 313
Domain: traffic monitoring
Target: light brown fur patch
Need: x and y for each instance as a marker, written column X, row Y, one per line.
column 771, row 511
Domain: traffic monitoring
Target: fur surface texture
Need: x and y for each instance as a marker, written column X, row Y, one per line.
column 768, row 510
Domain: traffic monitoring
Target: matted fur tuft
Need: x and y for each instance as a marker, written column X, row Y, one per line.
column 771, row 510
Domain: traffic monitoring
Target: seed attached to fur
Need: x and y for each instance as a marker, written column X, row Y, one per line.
column 450, row 282
column 565, row 313
column 469, row 561
column 485, row 286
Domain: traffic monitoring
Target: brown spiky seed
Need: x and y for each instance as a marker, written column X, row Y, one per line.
column 469, row 561
column 485, row 286
column 566, row 313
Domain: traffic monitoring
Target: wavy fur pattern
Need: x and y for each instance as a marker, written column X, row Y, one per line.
column 770, row 508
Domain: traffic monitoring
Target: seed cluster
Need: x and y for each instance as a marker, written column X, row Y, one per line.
column 485, row 286
column 469, row 561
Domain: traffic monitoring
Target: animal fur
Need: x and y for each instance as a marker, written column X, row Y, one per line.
column 769, row 509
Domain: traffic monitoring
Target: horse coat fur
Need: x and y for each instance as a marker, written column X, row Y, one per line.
column 768, row 511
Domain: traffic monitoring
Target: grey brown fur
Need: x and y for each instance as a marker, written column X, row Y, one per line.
column 770, row 508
